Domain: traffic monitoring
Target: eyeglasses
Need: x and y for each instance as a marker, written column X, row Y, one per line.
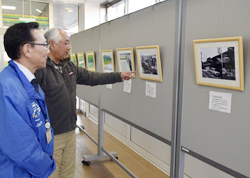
column 46, row 45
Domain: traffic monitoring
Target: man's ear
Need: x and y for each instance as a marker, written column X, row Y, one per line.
column 52, row 44
column 26, row 50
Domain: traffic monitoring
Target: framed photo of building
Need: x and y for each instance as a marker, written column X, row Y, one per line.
column 219, row 62
column 107, row 61
column 90, row 60
column 149, row 62
column 80, row 59
column 125, row 58
column 73, row 58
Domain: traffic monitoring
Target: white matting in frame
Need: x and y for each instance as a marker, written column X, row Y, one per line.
column 125, row 58
column 219, row 62
column 90, row 60
column 149, row 62
column 107, row 61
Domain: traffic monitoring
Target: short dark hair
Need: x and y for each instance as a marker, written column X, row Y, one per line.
column 16, row 36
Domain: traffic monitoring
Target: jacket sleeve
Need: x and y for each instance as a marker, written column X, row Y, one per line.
column 95, row 78
column 18, row 140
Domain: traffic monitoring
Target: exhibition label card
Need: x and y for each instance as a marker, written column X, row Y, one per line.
column 220, row 101
column 109, row 86
column 151, row 89
column 127, row 86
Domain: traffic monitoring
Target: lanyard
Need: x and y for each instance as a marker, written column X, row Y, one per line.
column 47, row 124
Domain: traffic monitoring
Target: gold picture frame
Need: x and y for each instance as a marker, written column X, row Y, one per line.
column 90, row 60
column 219, row 62
column 125, row 58
column 80, row 59
column 149, row 62
column 73, row 58
column 107, row 59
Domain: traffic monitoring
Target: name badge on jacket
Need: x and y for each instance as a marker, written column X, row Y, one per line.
column 48, row 135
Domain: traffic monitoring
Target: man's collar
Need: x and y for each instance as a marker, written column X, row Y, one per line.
column 25, row 71
column 62, row 62
column 54, row 63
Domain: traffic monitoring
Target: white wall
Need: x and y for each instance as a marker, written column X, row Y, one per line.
column 51, row 21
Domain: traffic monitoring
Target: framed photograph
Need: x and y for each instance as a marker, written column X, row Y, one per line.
column 73, row 58
column 90, row 60
column 80, row 59
column 219, row 62
column 149, row 63
column 125, row 58
column 107, row 61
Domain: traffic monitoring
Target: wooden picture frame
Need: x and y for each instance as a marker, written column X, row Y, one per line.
column 73, row 58
column 219, row 62
column 107, row 59
column 149, row 62
column 125, row 58
column 80, row 59
column 90, row 60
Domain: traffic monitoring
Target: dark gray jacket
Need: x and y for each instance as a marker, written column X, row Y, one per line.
column 60, row 91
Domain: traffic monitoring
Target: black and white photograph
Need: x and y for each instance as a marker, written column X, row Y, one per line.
column 219, row 62
column 149, row 63
column 125, row 58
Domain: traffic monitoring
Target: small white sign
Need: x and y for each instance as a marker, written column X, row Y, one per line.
column 109, row 86
column 220, row 101
column 26, row 20
column 151, row 89
column 127, row 86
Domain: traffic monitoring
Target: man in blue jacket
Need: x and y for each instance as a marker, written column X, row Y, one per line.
column 26, row 138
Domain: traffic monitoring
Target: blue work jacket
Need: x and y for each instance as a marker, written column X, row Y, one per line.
column 24, row 151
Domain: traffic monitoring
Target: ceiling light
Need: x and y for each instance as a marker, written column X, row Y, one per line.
column 69, row 9
column 38, row 11
column 9, row 7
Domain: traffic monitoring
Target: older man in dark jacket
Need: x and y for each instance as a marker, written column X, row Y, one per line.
column 58, row 81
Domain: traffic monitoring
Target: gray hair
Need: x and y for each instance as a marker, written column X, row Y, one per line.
column 53, row 34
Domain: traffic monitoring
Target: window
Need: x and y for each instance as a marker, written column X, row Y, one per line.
column 102, row 14
column 134, row 5
column 25, row 11
column 66, row 16
column 116, row 10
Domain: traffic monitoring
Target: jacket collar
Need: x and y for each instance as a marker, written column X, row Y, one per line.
column 26, row 84
column 64, row 62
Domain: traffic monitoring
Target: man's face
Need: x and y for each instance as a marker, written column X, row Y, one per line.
column 61, row 49
column 38, row 52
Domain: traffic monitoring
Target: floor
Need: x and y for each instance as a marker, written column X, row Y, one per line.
column 106, row 168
